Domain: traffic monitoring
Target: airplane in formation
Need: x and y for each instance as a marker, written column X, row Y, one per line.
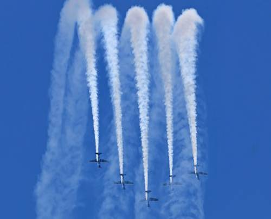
column 171, row 183
column 122, row 182
column 149, row 199
column 98, row 160
column 197, row 173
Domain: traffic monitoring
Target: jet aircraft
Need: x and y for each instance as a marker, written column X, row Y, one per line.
column 122, row 182
column 149, row 199
column 197, row 173
column 171, row 183
column 98, row 160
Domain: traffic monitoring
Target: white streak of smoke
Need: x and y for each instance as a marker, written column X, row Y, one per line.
column 108, row 20
column 163, row 21
column 137, row 22
column 185, row 37
column 46, row 191
column 88, row 46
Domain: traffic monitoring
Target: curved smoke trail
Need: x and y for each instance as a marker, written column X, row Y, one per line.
column 163, row 21
column 185, row 36
column 46, row 191
column 88, row 46
column 137, row 22
column 108, row 19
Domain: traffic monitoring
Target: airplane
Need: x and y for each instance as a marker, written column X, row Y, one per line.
column 171, row 183
column 149, row 199
column 98, row 160
column 197, row 174
column 122, row 182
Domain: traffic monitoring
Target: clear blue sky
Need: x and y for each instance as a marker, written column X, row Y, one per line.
column 233, row 73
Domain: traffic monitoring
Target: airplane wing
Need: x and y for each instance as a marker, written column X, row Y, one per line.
column 119, row 182
column 93, row 161
column 128, row 183
column 153, row 199
column 104, row 161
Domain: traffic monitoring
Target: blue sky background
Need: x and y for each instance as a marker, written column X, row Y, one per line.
column 233, row 77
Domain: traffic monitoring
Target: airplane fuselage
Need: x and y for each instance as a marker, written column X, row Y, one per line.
column 171, row 183
column 122, row 181
column 170, row 180
column 148, row 199
column 147, row 196
column 196, row 172
column 98, row 160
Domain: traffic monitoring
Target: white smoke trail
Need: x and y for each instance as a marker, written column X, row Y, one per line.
column 108, row 20
column 75, row 122
column 186, row 201
column 163, row 21
column 137, row 22
column 61, row 173
column 185, row 37
column 46, row 194
column 88, row 46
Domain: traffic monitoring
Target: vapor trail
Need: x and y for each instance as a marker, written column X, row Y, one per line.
column 88, row 46
column 137, row 22
column 46, row 191
column 61, row 174
column 185, row 37
column 108, row 20
column 163, row 21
